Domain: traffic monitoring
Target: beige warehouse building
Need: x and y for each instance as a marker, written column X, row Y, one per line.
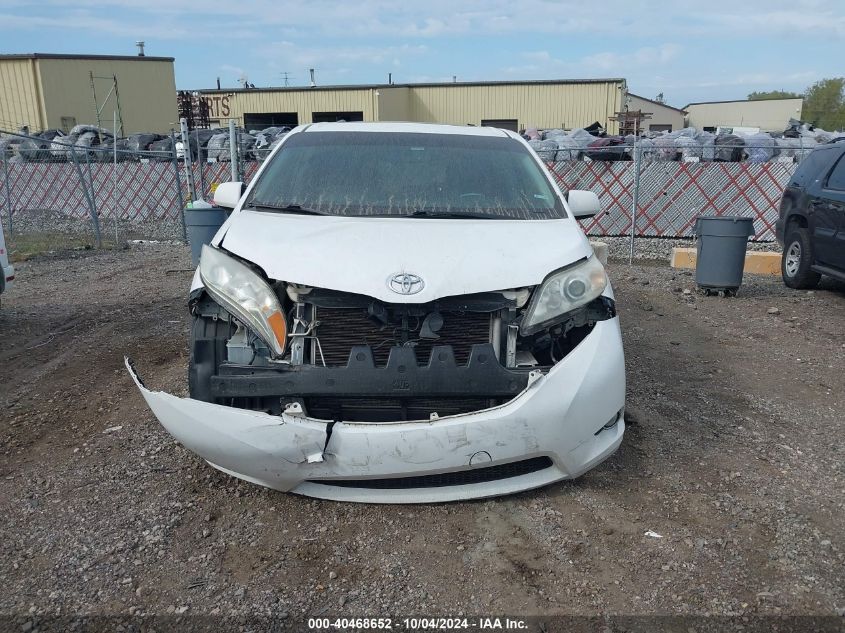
column 514, row 105
column 44, row 91
column 660, row 116
column 770, row 115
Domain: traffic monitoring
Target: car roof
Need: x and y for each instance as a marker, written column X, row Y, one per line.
column 415, row 128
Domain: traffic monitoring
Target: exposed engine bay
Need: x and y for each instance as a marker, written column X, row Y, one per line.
column 354, row 358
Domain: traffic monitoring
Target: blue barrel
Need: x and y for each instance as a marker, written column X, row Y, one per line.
column 201, row 223
column 721, row 248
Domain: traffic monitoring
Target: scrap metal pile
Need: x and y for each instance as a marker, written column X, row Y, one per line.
column 688, row 144
column 89, row 142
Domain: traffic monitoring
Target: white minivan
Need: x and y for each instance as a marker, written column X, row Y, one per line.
column 7, row 271
column 401, row 312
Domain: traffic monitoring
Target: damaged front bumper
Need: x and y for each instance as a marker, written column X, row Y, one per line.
column 562, row 424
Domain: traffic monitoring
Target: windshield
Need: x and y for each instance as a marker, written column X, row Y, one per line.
column 406, row 174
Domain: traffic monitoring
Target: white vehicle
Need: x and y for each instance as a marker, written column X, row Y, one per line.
column 7, row 271
column 401, row 313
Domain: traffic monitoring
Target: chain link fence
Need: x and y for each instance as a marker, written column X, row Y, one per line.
column 95, row 194
column 670, row 195
column 104, row 193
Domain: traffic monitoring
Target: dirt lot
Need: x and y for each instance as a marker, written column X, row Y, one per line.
column 734, row 456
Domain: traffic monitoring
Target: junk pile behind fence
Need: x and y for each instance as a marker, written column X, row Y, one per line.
column 59, row 182
column 688, row 144
column 98, row 143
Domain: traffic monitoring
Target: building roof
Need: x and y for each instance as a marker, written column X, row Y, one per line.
column 137, row 58
column 445, row 84
column 662, row 105
column 743, row 101
column 405, row 127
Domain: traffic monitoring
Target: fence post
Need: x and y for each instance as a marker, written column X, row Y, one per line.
column 200, row 163
column 114, row 212
column 87, row 193
column 186, row 157
column 233, row 150
column 8, row 192
column 635, row 198
column 179, row 204
column 93, row 199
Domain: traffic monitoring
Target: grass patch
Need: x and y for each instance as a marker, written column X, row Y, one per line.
column 25, row 246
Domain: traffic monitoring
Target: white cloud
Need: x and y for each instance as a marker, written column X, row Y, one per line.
column 639, row 58
column 778, row 80
column 819, row 22
column 366, row 39
column 287, row 52
column 78, row 23
column 333, row 63
column 235, row 71
column 617, row 64
column 439, row 18
column 615, row 18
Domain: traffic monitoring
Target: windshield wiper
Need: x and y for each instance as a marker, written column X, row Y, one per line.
column 288, row 208
column 422, row 213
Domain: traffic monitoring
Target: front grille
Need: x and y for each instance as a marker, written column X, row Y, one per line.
column 460, row 478
column 341, row 328
column 392, row 409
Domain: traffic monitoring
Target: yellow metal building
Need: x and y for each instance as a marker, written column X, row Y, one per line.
column 44, row 91
column 659, row 116
column 514, row 104
column 770, row 115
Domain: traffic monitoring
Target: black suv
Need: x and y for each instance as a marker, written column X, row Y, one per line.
column 811, row 226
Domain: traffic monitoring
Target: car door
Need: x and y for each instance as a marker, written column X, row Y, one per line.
column 829, row 218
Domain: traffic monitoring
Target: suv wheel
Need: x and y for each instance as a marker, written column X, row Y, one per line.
column 797, row 259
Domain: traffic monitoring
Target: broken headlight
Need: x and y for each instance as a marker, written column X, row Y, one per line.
column 562, row 292
column 245, row 295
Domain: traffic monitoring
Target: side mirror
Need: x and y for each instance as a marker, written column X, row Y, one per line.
column 228, row 194
column 583, row 204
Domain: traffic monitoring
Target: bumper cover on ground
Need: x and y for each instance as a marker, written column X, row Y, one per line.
column 559, row 415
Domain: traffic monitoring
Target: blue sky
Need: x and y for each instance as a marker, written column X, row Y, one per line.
column 719, row 49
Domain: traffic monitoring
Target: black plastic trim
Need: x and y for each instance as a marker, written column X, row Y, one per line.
column 482, row 376
column 441, row 480
column 829, row 271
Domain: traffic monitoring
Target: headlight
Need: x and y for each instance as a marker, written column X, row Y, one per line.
column 246, row 296
column 562, row 292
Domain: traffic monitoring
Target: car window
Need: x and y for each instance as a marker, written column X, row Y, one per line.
column 814, row 166
column 836, row 180
column 400, row 174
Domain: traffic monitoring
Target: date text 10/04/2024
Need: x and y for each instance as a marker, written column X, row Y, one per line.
column 418, row 624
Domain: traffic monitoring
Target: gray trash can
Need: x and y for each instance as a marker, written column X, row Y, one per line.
column 721, row 251
column 201, row 224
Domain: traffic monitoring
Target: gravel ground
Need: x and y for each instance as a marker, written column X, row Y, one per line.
column 660, row 248
column 58, row 223
column 733, row 457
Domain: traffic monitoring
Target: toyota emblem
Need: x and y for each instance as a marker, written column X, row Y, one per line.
column 405, row 283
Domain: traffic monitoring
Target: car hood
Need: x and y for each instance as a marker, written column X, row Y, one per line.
column 361, row 255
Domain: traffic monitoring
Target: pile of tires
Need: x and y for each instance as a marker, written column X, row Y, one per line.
column 218, row 146
column 37, row 148
column 161, row 151
column 266, row 140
